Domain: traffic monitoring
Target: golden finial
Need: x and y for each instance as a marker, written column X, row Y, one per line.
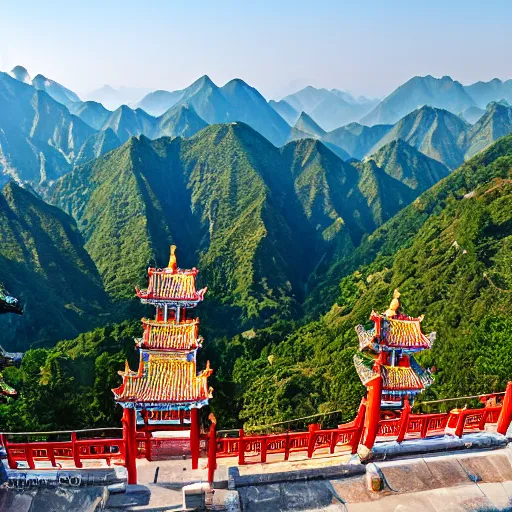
column 394, row 306
column 172, row 259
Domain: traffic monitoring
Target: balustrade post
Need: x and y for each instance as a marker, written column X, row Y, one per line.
column 212, row 453
column 75, row 451
column 241, row 447
column 404, row 421
column 506, row 411
column 287, row 446
column 263, row 444
column 29, row 457
column 312, row 428
column 10, row 460
column 459, row 428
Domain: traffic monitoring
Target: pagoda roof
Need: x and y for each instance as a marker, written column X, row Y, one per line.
column 394, row 378
column 172, row 284
column 400, row 378
column 168, row 285
column 163, row 378
column 400, row 332
column 170, row 335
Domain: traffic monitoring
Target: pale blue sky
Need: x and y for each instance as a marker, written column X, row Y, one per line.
column 365, row 46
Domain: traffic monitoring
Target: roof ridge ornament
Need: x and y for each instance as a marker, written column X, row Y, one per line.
column 394, row 306
column 173, row 262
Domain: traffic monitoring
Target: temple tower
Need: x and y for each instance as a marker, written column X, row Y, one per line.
column 387, row 367
column 167, row 389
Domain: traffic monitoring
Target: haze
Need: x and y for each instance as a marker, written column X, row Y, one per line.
column 366, row 47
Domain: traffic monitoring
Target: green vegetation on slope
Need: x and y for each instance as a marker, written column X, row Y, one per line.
column 44, row 264
column 256, row 220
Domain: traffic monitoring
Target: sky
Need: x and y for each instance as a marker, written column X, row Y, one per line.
column 367, row 47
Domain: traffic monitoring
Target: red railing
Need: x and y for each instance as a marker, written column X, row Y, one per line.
column 345, row 438
column 74, row 450
column 456, row 422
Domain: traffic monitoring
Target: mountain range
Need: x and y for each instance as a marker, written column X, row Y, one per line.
column 300, row 204
column 43, row 137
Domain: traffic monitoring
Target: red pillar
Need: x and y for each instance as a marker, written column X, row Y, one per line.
column 130, row 443
column 194, row 437
column 212, row 453
column 506, row 411
column 372, row 416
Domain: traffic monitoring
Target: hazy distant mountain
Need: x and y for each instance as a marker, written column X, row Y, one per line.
column 57, row 91
column 356, row 139
column 97, row 145
column 472, row 114
column 126, row 123
column 495, row 123
column 39, row 138
column 112, row 98
column 442, row 93
column 406, row 164
column 330, row 109
column 158, row 102
column 180, row 121
column 285, row 110
column 21, row 74
column 305, row 127
column 484, row 93
column 235, row 101
column 92, row 112
column 435, row 132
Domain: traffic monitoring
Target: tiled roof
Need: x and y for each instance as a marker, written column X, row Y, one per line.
column 400, row 378
column 405, row 334
column 169, row 284
column 163, row 378
column 170, row 335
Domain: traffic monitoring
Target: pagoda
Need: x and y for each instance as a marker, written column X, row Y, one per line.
column 8, row 304
column 387, row 367
column 167, row 387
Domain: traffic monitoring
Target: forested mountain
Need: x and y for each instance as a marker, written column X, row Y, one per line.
column 436, row 133
column 235, row 205
column 43, row 262
column 408, row 165
column 496, row 122
column 447, row 254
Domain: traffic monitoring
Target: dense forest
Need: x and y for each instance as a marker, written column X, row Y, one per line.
column 449, row 252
